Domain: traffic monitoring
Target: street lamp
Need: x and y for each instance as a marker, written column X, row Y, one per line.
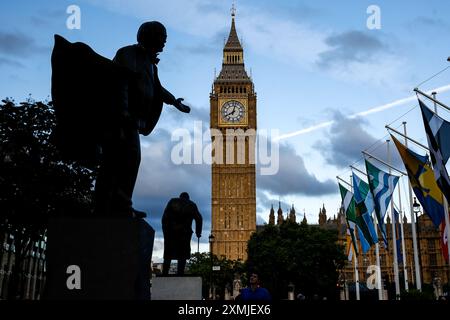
column 211, row 240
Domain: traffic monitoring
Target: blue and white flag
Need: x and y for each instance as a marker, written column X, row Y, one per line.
column 382, row 185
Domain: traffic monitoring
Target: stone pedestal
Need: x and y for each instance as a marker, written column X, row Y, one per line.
column 99, row 259
column 177, row 288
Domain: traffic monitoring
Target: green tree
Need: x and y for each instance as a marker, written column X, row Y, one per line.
column 35, row 184
column 305, row 256
column 200, row 264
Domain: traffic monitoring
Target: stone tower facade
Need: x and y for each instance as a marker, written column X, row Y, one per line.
column 233, row 135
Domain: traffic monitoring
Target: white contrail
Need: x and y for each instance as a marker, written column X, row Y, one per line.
column 360, row 114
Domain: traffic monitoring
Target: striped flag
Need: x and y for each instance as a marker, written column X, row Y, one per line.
column 382, row 185
column 348, row 203
column 349, row 245
column 398, row 233
column 362, row 202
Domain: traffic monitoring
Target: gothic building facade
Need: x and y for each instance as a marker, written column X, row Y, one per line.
column 434, row 269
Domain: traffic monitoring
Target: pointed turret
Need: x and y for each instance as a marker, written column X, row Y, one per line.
column 233, row 43
column 304, row 221
column 292, row 216
column 280, row 219
column 272, row 216
column 233, row 56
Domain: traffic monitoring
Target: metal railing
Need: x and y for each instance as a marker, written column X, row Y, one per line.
column 22, row 263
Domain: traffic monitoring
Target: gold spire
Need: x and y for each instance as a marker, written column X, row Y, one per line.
column 233, row 10
column 233, row 42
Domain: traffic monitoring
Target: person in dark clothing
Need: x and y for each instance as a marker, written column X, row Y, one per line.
column 254, row 292
column 177, row 229
column 141, row 104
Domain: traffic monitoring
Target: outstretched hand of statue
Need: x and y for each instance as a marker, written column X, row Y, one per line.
column 181, row 106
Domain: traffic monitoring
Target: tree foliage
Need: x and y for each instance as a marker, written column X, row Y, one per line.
column 305, row 256
column 34, row 183
column 200, row 264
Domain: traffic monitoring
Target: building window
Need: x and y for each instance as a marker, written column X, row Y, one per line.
column 431, row 245
column 433, row 260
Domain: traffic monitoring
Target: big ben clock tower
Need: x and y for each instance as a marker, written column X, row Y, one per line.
column 233, row 127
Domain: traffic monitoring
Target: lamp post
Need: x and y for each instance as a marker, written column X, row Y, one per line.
column 211, row 240
column 416, row 209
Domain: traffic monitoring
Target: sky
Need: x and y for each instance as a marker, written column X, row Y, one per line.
column 325, row 80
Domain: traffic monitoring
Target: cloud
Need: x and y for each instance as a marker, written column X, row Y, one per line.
column 293, row 177
column 175, row 118
column 160, row 179
column 363, row 57
column 350, row 46
column 264, row 201
column 18, row 44
column 346, row 139
column 9, row 62
column 421, row 22
column 277, row 36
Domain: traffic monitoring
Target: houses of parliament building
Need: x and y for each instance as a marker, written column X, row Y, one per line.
column 434, row 268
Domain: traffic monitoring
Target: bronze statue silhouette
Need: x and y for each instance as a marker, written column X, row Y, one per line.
column 101, row 108
column 177, row 229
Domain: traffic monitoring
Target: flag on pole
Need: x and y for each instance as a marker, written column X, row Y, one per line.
column 349, row 245
column 398, row 235
column 382, row 185
column 362, row 201
column 349, row 208
column 422, row 180
column 365, row 245
column 438, row 133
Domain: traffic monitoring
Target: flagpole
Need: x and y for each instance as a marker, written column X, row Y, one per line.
column 435, row 104
column 394, row 237
column 387, row 165
column 405, row 267
column 407, row 138
column 413, row 226
column 432, row 99
column 377, row 255
column 377, row 251
column 356, row 258
column 342, row 180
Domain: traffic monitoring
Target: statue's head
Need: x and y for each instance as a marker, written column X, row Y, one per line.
column 184, row 195
column 152, row 35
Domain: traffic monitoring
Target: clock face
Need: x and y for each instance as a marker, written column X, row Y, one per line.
column 232, row 111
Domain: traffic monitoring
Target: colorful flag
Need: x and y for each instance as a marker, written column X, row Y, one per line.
column 382, row 185
column 438, row 133
column 349, row 208
column 363, row 219
column 422, row 180
column 349, row 245
column 398, row 236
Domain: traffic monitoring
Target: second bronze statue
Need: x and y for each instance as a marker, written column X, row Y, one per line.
column 177, row 229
